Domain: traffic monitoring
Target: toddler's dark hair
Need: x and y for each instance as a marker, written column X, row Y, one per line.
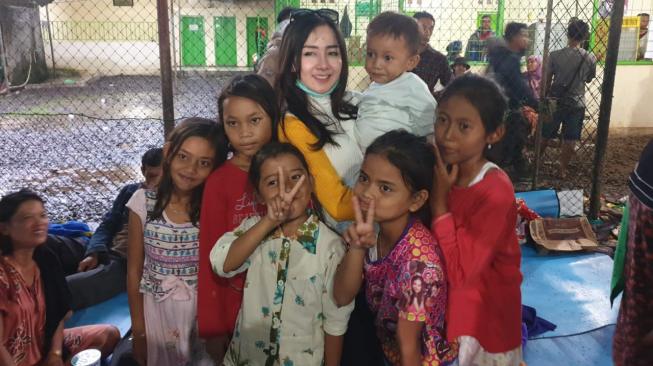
column 482, row 93
column 414, row 157
column 397, row 26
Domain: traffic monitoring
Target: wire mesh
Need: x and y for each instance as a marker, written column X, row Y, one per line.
column 80, row 85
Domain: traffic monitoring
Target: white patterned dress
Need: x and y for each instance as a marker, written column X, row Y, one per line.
column 169, row 287
column 288, row 298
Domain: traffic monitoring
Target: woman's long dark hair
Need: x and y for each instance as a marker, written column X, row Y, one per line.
column 414, row 157
column 256, row 88
column 296, row 100
column 190, row 127
column 9, row 205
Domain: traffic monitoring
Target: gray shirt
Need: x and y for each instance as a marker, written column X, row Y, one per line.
column 563, row 65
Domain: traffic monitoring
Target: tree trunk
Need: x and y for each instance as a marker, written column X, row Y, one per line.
column 20, row 28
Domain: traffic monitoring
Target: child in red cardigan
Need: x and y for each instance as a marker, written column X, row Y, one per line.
column 249, row 115
column 474, row 214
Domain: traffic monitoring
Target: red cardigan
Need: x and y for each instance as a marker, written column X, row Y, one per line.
column 228, row 199
column 482, row 257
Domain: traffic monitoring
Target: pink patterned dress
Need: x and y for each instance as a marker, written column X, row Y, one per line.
column 409, row 283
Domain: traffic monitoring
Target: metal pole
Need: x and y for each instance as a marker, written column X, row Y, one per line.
column 166, row 68
column 47, row 17
column 543, row 92
column 609, row 73
column 174, row 33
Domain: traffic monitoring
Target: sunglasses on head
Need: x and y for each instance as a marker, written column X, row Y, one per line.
column 328, row 14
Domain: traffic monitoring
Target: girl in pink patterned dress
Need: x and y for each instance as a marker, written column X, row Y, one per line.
column 401, row 267
column 163, row 256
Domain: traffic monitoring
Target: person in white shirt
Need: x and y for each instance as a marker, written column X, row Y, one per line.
column 396, row 98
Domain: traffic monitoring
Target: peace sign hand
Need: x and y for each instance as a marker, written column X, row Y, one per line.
column 360, row 234
column 279, row 205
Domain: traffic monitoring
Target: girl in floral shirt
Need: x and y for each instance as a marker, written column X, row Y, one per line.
column 288, row 316
column 401, row 267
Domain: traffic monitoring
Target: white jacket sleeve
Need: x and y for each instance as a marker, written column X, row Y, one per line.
column 335, row 318
column 221, row 248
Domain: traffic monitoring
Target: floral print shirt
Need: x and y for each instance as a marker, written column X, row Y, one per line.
column 409, row 283
column 288, row 301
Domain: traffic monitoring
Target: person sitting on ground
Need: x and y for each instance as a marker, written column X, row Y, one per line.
column 433, row 66
column 476, row 49
column 397, row 98
column 105, row 261
column 569, row 70
column 34, row 297
column 269, row 63
column 459, row 67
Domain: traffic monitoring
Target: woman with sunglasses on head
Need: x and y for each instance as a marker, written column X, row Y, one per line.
column 319, row 113
column 319, row 120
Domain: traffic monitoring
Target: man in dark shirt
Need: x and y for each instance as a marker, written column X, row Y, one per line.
column 105, row 264
column 505, row 67
column 433, row 65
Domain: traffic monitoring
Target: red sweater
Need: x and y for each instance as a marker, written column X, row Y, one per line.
column 483, row 258
column 228, row 199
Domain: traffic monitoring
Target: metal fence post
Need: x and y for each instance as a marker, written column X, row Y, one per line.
column 166, row 67
column 605, row 108
column 543, row 92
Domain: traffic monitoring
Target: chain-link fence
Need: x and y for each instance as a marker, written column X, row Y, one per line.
column 80, row 96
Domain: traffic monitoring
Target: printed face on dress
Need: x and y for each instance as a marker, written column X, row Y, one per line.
column 321, row 61
column 28, row 227
column 247, row 125
column 459, row 131
column 388, row 58
column 417, row 285
column 192, row 164
column 293, row 169
column 426, row 26
column 382, row 182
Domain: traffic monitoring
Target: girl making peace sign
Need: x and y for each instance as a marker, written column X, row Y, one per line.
column 287, row 316
column 401, row 267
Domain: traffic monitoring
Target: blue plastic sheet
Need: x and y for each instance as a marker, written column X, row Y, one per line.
column 544, row 202
column 114, row 311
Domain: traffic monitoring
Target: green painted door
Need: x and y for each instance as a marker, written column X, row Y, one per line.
column 257, row 38
column 193, row 48
column 225, row 41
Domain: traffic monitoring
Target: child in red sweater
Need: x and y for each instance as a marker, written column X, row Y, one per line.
column 474, row 214
column 249, row 115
